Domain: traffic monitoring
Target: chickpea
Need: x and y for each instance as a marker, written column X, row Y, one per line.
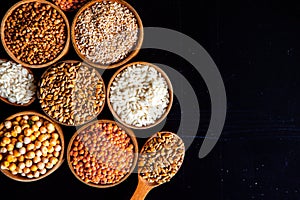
column 57, row 148
column 32, row 137
column 38, row 153
column 52, row 142
column 37, row 159
column 36, row 174
column 50, row 128
column 18, row 129
column 25, row 117
column 56, row 154
column 35, row 127
column 33, row 168
column 44, row 150
column 43, row 171
column 13, row 133
column 21, row 138
column 30, row 155
column 16, row 153
column 35, row 118
column 10, row 147
column 45, row 160
column 39, row 123
column 49, row 165
column 22, row 150
column 6, row 140
column 21, row 165
column 27, row 140
column 46, row 143
column 30, row 146
column 29, row 175
column 41, row 165
column 28, row 163
column 37, row 133
column 21, row 158
column 54, row 160
column 7, row 124
column 28, row 132
column 3, row 150
column 12, row 167
column 43, row 129
column 10, row 158
column 55, row 136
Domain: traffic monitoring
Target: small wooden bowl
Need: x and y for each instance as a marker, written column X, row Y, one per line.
column 129, row 132
column 60, row 158
column 13, row 56
column 5, row 100
column 131, row 55
column 70, row 61
column 170, row 88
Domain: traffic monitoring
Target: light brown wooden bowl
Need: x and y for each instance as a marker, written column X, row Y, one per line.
column 5, row 100
column 129, row 132
column 44, row 76
column 60, row 158
column 62, row 53
column 131, row 55
column 170, row 87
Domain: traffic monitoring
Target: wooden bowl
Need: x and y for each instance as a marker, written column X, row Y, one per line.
column 5, row 100
column 170, row 88
column 133, row 139
column 13, row 56
column 58, row 130
column 44, row 76
column 132, row 54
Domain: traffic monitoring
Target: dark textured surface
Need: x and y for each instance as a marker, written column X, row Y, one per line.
column 255, row 45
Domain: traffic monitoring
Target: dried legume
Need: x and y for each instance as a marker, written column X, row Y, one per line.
column 106, row 32
column 35, row 33
column 161, row 157
column 139, row 95
column 69, row 5
column 102, row 153
column 72, row 93
column 17, row 85
column 23, row 149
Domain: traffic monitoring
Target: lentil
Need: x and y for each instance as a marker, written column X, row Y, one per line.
column 35, row 33
column 23, row 158
column 69, row 5
column 161, row 157
column 106, row 32
column 102, row 154
column 71, row 93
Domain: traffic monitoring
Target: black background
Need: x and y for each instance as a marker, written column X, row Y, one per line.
column 256, row 48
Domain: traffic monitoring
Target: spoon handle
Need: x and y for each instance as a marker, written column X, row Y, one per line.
column 141, row 191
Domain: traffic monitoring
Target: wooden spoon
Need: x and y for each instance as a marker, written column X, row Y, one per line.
column 16, row 104
column 144, row 186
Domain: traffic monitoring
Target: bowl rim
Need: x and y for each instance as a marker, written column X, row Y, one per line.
column 128, row 131
column 82, row 63
column 170, row 89
column 12, row 56
column 60, row 158
column 123, row 61
column 33, row 98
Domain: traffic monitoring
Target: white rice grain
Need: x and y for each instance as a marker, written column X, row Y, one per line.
column 16, row 83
